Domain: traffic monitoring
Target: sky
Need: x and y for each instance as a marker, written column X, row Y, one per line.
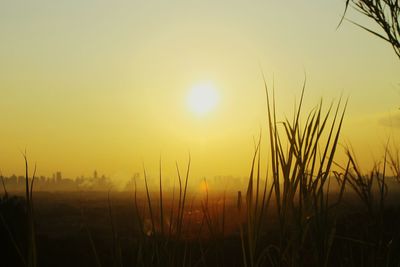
column 103, row 85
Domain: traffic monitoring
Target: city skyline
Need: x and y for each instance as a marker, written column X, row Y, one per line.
column 109, row 85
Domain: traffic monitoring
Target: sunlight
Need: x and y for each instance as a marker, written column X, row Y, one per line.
column 203, row 186
column 202, row 98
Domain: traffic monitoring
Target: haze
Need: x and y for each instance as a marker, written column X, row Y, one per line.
column 103, row 85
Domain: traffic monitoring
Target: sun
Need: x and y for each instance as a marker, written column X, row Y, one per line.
column 202, row 98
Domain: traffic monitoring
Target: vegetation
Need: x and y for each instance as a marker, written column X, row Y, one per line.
column 23, row 214
column 385, row 13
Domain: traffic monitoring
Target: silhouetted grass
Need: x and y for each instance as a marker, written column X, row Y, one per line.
column 32, row 256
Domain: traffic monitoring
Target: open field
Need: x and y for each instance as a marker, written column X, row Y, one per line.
column 62, row 221
column 67, row 223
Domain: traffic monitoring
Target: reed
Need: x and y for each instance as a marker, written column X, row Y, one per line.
column 301, row 164
column 32, row 254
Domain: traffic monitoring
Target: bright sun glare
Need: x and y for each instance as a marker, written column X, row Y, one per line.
column 202, row 98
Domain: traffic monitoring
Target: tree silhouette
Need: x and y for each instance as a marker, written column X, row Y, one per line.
column 386, row 13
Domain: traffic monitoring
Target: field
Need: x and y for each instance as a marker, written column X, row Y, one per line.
column 67, row 224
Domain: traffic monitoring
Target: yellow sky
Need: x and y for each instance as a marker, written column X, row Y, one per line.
column 103, row 85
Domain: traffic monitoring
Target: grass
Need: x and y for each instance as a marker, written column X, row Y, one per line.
column 300, row 174
column 32, row 257
column 305, row 210
column 12, row 206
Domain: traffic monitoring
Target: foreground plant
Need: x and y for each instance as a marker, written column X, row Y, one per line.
column 32, row 254
column 301, row 168
column 385, row 13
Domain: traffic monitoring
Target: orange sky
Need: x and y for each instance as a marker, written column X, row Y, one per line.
column 103, row 85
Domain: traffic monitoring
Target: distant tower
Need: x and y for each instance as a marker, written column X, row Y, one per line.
column 95, row 174
column 239, row 200
column 58, row 176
